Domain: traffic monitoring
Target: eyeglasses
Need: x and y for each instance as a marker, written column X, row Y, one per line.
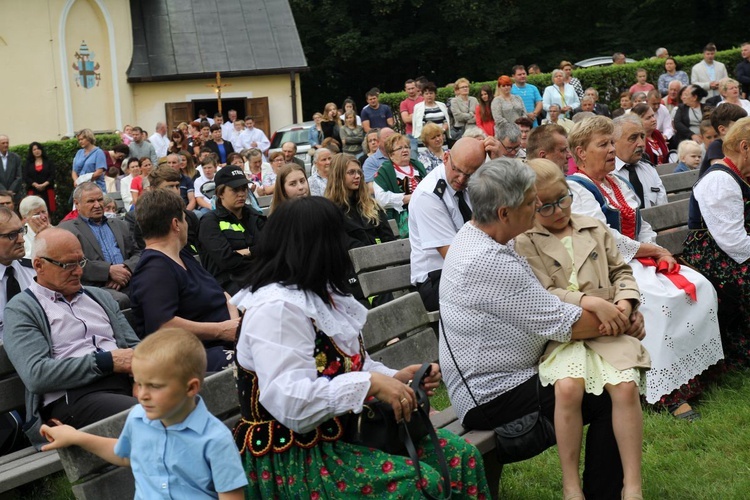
column 549, row 208
column 510, row 149
column 459, row 171
column 463, row 87
column 354, row 172
column 399, row 149
column 13, row 235
column 66, row 266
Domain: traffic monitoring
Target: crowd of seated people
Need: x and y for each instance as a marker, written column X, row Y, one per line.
column 192, row 235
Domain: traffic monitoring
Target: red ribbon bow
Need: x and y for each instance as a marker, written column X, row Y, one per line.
column 674, row 275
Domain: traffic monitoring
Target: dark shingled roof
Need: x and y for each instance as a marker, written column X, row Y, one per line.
column 186, row 39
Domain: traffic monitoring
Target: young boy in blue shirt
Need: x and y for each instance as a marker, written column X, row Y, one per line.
column 175, row 447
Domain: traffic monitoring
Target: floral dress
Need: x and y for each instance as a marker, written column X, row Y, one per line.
column 316, row 463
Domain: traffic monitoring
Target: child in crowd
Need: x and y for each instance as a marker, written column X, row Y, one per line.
column 208, row 171
column 689, row 152
column 576, row 259
column 169, row 439
column 641, row 84
column 626, row 101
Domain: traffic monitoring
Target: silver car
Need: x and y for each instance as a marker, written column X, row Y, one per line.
column 298, row 133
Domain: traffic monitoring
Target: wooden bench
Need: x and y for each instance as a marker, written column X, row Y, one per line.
column 383, row 268
column 26, row 465
column 670, row 223
column 95, row 478
column 406, row 319
column 666, row 168
column 679, row 185
column 265, row 201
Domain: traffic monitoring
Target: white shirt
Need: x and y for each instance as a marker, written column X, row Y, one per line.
column 664, row 122
column 226, row 131
column 199, row 182
column 277, row 340
column 433, row 223
column 4, row 160
column 160, row 143
column 653, row 189
column 25, row 277
column 722, row 209
column 497, row 316
column 743, row 102
column 251, row 135
column 584, row 203
column 127, row 196
column 359, row 120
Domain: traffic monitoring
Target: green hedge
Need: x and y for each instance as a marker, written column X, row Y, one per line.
column 61, row 153
column 610, row 81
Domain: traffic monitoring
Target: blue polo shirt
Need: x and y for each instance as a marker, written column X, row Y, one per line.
column 195, row 459
column 529, row 94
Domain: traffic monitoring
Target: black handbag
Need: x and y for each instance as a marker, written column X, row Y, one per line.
column 518, row 439
column 376, row 427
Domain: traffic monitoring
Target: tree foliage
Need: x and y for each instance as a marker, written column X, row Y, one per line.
column 352, row 46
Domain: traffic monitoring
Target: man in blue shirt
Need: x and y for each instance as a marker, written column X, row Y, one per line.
column 529, row 94
column 376, row 115
column 111, row 253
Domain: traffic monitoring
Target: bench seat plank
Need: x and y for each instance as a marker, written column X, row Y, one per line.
column 415, row 349
column 394, row 319
column 385, row 280
column 115, row 484
column 28, row 468
column 443, row 418
column 379, row 256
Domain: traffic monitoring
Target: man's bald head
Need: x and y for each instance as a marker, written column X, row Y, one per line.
column 383, row 134
column 51, row 240
column 464, row 158
column 63, row 248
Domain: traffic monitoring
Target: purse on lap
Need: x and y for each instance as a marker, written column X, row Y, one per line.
column 376, row 427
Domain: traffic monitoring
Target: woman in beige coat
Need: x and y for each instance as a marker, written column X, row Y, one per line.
column 576, row 258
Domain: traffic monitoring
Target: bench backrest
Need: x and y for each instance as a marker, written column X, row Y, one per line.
column 12, row 394
column 679, row 185
column 406, row 319
column 265, row 201
column 383, row 268
column 666, row 168
column 670, row 222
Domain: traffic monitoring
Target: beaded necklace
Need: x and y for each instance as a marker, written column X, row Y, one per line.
column 627, row 214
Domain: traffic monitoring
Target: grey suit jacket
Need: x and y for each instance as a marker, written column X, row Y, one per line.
column 10, row 177
column 699, row 76
column 96, row 272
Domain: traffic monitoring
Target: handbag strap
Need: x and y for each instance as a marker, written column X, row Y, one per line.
column 423, row 412
column 476, row 404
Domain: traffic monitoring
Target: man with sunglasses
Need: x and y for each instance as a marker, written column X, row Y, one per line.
column 438, row 208
column 70, row 345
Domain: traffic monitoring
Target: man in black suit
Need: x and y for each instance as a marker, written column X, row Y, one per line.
column 10, row 170
column 599, row 109
column 111, row 253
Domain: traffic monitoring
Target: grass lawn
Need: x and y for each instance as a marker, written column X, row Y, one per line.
column 708, row 459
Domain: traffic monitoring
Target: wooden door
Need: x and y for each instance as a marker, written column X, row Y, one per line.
column 257, row 107
column 178, row 112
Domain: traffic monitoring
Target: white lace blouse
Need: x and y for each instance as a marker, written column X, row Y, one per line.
column 277, row 340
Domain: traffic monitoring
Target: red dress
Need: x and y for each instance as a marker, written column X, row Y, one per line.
column 656, row 148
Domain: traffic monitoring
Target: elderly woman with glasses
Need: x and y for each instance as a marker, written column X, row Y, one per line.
column 492, row 304
column 462, row 107
column 396, row 180
column 678, row 304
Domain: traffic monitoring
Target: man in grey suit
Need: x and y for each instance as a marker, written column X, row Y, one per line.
column 707, row 73
column 112, row 256
column 10, row 171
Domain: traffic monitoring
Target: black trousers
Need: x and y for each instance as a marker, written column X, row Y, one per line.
column 602, row 475
column 91, row 403
column 429, row 290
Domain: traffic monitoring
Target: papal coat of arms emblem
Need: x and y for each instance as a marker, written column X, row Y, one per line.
column 88, row 70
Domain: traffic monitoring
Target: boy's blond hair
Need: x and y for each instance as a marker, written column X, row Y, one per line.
column 177, row 349
column 686, row 147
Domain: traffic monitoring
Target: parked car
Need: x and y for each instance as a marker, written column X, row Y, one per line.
column 599, row 61
column 298, row 133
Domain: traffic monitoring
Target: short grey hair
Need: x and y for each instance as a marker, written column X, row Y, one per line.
column 85, row 188
column 317, row 154
column 556, row 71
column 582, row 115
column 622, row 120
column 30, row 203
column 588, row 98
column 474, row 132
column 509, row 131
column 499, row 183
column 660, row 51
column 596, row 92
